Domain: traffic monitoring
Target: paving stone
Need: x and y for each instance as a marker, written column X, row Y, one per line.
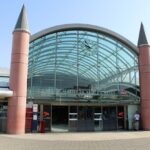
column 77, row 141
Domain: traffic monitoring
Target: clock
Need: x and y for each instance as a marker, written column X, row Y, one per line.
column 88, row 47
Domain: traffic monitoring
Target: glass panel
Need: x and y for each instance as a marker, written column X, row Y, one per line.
column 81, row 65
column 4, row 82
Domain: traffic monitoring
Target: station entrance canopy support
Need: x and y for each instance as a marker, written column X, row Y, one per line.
column 144, row 68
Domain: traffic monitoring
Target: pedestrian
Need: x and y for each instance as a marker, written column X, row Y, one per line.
column 136, row 121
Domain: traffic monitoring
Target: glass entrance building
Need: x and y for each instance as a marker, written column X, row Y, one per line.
column 77, row 77
column 84, row 74
column 79, row 62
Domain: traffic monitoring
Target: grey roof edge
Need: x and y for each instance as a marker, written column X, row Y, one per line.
column 142, row 40
column 22, row 21
column 88, row 27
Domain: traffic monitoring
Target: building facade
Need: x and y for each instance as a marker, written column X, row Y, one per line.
column 81, row 78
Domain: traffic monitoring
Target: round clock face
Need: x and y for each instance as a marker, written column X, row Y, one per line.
column 88, row 47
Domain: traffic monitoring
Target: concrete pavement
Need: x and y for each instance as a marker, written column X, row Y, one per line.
column 77, row 141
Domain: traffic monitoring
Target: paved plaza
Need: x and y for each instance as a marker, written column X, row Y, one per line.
column 77, row 141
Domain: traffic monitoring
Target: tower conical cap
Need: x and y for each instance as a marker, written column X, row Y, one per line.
column 142, row 36
column 22, row 22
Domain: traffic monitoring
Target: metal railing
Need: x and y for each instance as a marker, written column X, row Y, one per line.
column 82, row 94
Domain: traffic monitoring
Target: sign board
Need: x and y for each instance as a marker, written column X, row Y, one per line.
column 30, row 104
column 35, row 107
column 35, row 117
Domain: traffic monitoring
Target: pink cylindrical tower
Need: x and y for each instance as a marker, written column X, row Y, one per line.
column 18, row 76
column 144, row 68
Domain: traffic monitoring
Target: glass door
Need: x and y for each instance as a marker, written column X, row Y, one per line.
column 120, row 118
column 73, row 118
column 109, row 118
column 47, row 117
column 98, row 121
column 85, row 118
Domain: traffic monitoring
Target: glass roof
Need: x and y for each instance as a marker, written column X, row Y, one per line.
column 78, row 59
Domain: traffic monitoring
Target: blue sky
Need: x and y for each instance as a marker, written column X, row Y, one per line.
column 121, row 16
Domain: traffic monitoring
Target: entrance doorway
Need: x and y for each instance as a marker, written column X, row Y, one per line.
column 109, row 118
column 97, row 118
column 88, row 118
column 85, row 118
column 3, row 116
column 114, row 118
column 47, row 117
column 59, row 118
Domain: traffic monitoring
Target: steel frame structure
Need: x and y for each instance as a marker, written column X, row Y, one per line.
column 66, row 58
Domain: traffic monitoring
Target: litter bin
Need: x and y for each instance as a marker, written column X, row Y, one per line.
column 42, row 126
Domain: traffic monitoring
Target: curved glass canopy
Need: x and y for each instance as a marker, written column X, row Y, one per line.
column 82, row 65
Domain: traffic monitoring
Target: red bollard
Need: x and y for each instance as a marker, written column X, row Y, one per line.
column 42, row 126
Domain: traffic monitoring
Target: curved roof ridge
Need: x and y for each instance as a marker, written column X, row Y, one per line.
column 88, row 27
